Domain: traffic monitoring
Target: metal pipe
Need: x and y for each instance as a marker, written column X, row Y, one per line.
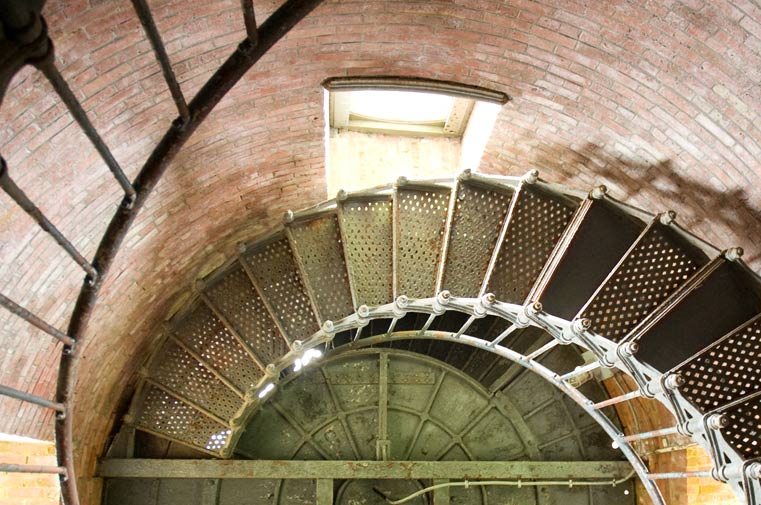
column 47, row 67
column 249, row 18
column 651, row 434
column 679, row 475
column 240, row 61
column 581, row 370
column 23, row 201
column 618, row 399
column 27, row 397
column 465, row 326
column 546, row 347
column 5, row 467
column 35, row 321
column 146, row 19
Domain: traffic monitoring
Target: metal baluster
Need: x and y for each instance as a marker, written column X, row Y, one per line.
column 35, row 213
column 35, row 321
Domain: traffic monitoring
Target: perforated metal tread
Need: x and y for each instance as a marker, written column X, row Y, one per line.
column 366, row 229
column 318, row 248
column 476, row 223
column 534, row 228
column 419, row 224
column 277, row 276
column 725, row 371
column 202, row 332
column 166, row 415
column 237, row 299
column 653, row 269
column 743, row 431
column 177, row 370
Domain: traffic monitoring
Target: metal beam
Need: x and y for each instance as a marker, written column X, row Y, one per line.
column 284, row 469
column 324, row 492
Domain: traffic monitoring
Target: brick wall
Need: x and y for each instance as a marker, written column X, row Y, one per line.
column 658, row 100
column 28, row 489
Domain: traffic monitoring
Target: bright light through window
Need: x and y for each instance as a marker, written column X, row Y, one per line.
column 401, row 106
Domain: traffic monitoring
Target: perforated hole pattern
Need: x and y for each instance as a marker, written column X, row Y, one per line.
column 166, row 414
column 183, row 374
column 535, row 227
column 318, row 243
column 207, row 336
column 236, row 298
column 654, row 269
column 744, row 428
column 279, row 279
column 476, row 224
column 367, row 229
column 422, row 221
column 729, row 370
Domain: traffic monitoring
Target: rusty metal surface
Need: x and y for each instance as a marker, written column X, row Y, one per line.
column 479, row 213
column 317, row 246
column 280, row 283
column 420, row 220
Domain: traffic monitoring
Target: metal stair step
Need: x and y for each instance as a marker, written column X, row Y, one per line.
column 236, row 298
column 318, row 250
column 725, row 371
column 366, row 225
column 656, row 265
column 475, row 224
column 534, row 227
column 598, row 236
column 420, row 218
column 274, row 272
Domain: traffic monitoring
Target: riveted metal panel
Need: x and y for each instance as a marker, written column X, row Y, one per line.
column 727, row 370
column 278, row 277
column 421, row 220
column 366, row 228
column 169, row 416
column 237, row 299
column 535, row 226
column 319, row 249
column 207, row 336
column 476, row 224
column 743, row 432
column 653, row 269
column 179, row 371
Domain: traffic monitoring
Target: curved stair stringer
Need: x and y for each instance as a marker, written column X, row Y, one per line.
column 280, row 298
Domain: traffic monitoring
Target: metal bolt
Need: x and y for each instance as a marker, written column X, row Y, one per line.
column 271, row 370
column 465, row 174
column 673, row 381
column 297, row 345
column 667, row 218
column 288, row 216
column 342, row 195
column 328, row 327
column 401, row 181
column 363, row 311
column 599, row 192
column 531, row 176
column 488, row 299
column 734, row 253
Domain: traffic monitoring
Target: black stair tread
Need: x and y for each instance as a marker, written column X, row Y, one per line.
column 602, row 238
column 726, row 299
column 743, row 430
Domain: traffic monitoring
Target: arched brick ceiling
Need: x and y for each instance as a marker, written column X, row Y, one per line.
column 658, row 100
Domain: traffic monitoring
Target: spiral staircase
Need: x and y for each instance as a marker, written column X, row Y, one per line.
column 397, row 263
column 485, row 262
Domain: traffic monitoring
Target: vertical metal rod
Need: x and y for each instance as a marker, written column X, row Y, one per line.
column 618, row 399
column 581, row 370
column 27, row 397
column 382, row 444
column 651, row 434
column 324, row 492
column 392, row 325
column 546, row 347
column 427, row 324
column 35, row 321
column 465, row 326
column 249, row 18
column 30, row 208
column 146, row 19
column 502, row 336
column 4, row 467
column 47, row 66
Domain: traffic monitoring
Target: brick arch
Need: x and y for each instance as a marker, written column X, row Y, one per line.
column 614, row 92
